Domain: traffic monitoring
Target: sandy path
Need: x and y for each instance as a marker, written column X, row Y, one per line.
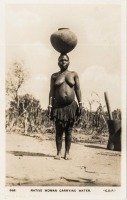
column 30, row 161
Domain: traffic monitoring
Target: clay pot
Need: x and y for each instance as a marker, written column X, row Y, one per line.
column 63, row 40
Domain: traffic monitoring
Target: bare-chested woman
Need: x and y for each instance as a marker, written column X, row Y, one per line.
column 63, row 108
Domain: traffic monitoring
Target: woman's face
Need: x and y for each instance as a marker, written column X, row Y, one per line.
column 63, row 62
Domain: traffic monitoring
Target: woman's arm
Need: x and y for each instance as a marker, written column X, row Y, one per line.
column 77, row 88
column 78, row 92
column 51, row 96
column 51, row 93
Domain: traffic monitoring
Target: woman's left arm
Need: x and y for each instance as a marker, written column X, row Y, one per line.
column 77, row 88
column 78, row 91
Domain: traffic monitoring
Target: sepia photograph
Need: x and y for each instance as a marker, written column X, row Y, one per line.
column 65, row 104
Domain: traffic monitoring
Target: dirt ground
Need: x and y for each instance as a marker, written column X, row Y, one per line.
column 30, row 162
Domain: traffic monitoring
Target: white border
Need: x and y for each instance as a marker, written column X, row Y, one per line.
column 64, row 1
column 97, row 192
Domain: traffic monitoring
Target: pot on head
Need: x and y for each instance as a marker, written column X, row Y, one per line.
column 63, row 40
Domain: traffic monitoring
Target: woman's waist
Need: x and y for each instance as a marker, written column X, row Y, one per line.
column 63, row 102
column 64, row 98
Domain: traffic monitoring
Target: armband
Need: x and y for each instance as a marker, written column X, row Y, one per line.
column 50, row 106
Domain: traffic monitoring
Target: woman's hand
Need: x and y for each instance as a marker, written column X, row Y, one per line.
column 80, row 109
column 49, row 111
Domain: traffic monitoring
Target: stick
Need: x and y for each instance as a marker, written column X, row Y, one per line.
column 108, row 106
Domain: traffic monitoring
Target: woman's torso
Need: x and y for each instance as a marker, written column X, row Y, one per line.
column 64, row 84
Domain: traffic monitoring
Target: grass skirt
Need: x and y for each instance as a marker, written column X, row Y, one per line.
column 67, row 113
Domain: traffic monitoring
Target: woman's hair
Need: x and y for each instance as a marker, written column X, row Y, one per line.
column 63, row 55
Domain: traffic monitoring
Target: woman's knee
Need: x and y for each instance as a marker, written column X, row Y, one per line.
column 68, row 129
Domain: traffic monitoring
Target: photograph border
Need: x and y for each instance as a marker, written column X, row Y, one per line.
column 96, row 192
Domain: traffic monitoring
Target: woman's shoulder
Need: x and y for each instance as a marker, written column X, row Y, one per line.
column 73, row 73
column 54, row 75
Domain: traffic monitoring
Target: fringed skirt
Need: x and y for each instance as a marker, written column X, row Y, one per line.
column 66, row 114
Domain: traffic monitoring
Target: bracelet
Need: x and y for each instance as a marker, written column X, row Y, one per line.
column 50, row 106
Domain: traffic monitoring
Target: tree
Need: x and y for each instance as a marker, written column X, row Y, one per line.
column 16, row 77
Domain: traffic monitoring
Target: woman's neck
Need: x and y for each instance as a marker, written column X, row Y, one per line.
column 63, row 71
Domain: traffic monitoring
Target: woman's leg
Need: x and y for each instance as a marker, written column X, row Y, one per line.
column 59, row 137
column 68, row 138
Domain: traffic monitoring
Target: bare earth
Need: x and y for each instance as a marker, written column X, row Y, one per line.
column 30, row 161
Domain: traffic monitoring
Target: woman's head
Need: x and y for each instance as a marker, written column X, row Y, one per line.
column 63, row 62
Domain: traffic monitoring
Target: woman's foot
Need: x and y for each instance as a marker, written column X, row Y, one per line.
column 58, row 157
column 67, row 156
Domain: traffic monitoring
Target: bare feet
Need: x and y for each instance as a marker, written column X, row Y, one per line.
column 58, row 157
column 67, row 156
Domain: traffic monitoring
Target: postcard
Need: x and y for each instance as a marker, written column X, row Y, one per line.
column 63, row 99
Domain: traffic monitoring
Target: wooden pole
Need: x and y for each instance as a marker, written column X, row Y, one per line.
column 108, row 106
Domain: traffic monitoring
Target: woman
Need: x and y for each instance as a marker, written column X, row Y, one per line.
column 63, row 108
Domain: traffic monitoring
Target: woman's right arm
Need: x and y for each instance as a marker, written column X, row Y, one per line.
column 51, row 96
column 51, row 93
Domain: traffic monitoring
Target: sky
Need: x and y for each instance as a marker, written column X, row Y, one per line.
column 96, row 58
